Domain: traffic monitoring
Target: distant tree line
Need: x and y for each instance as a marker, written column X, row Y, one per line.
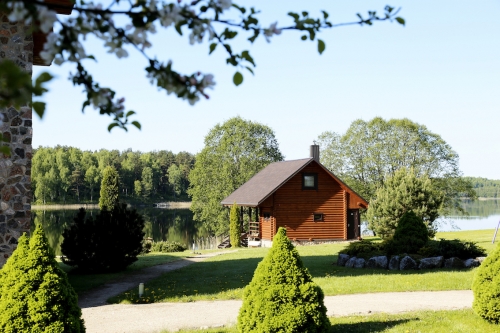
column 485, row 188
column 67, row 174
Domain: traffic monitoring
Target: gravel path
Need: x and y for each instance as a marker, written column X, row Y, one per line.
column 98, row 296
column 149, row 318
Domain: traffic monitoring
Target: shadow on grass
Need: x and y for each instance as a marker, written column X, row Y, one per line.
column 84, row 281
column 366, row 327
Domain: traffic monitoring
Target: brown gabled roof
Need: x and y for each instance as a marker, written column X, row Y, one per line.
column 268, row 180
column 263, row 184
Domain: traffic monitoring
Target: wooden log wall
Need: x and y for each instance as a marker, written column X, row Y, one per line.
column 267, row 228
column 293, row 207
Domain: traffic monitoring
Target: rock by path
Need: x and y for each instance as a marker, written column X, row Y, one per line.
column 98, row 296
column 150, row 318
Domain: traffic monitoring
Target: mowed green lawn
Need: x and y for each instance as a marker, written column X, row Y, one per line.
column 458, row 321
column 224, row 277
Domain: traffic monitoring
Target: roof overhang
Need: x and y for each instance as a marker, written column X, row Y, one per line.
column 39, row 38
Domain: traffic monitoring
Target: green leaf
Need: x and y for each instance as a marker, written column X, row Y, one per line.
column 237, row 78
column 325, row 14
column 249, row 69
column 321, row 46
column 39, row 108
column 136, row 124
column 110, row 127
column 303, row 37
column 130, row 113
column 44, row 77
column 245, row 55
column 400, row 20
column 212, row 47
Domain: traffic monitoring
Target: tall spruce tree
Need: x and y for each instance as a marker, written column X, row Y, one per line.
column 282, row 296
column 109, row 195
column 234, row 227
column 35, row 295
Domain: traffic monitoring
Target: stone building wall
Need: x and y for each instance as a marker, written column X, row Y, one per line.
column 16, row 44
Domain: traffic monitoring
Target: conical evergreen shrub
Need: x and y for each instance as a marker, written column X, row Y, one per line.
column 486, row 288
column 35, row 295
column 410, row 235
column 281, row 296
column 234, row 227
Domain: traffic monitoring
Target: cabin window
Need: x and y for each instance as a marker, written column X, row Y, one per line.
column 318, row 217
column 310, row 181
column 267, row 216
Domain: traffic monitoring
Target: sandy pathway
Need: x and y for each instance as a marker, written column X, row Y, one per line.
column 149, row 318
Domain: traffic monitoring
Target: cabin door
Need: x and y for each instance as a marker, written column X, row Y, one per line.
column 352, row 224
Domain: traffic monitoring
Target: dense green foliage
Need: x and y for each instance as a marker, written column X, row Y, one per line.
column 234, row 152
column 234, row 227
column 35, row 295
column 364, row 249
column 68, row 174
column 485, row 188
column 167, row 247
column 486, row 288
column 370, row 151
column 400, row 193
column 449, row 248
column 108, row 242
column 110, row 189
column 411, row 234
column 282, row 296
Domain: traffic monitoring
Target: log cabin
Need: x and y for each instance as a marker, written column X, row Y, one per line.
column 304, row 197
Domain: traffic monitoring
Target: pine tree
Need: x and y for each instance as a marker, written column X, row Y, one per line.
column 486, row 288
column 35, row 295
column 282, row 296
column 234, row 227
column 109, row 189
column 401, row 193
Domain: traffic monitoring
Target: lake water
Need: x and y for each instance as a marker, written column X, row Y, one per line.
column 160, row 224
column 178, row 225
column 483, row 214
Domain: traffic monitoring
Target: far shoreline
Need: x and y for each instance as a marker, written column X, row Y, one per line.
column 168, row 205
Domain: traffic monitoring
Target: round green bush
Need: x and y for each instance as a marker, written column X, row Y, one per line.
column 411, row 234
column 35, row 295
column 486, row 288
column 282, row 296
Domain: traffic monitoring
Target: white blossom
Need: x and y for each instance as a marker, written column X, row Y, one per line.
column 121, row 53
column 197, row 34
column 170, row 14
column 18, row 12
column 272, row 30
column 58, row 60
column 46, row 18
column 208, row 81
column 152, row 5
column 50, row 48
column 224, row 4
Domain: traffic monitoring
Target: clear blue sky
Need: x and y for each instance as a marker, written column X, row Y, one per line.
column 442, row 70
